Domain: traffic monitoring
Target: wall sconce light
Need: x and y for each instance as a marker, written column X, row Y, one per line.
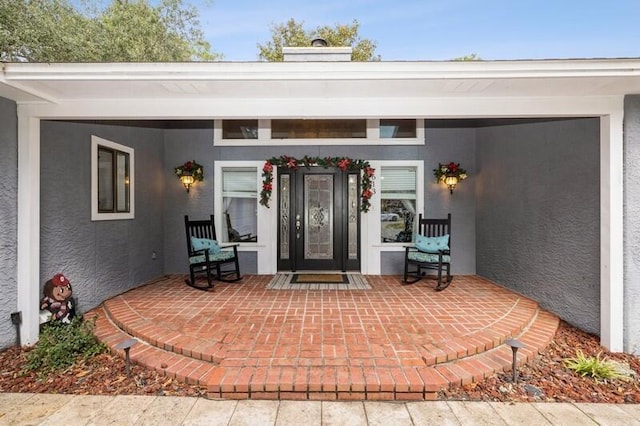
column 451, row 182
column 450, row 174
column 189, row 173
column 187, row 181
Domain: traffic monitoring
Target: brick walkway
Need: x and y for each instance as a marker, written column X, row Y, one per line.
column 397, row 342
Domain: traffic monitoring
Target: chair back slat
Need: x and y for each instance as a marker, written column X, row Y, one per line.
column 199, row 229
column 435, row 227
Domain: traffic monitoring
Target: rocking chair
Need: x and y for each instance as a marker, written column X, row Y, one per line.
column 431, row 251
column 206, row 256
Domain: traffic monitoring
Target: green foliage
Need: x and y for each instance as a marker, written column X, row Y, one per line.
column 593, row 366
column 60, row 345
column 126, row 30
column 293, row 34
column 469, row 57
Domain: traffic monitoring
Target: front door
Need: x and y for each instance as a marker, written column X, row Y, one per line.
column 319, row 220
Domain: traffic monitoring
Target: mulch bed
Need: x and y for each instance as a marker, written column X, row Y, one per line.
column 543, row 379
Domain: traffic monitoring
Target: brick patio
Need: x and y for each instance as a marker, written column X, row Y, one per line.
column 392, row 342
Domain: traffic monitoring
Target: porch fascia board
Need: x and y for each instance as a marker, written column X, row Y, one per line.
column 427, row 107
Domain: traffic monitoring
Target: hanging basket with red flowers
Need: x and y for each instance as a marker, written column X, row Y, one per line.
column 343, row 163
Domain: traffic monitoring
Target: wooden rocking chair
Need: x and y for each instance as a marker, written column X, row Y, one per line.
column 431, row 251
column 206, row 256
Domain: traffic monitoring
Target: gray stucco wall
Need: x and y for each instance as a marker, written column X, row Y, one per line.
column 538, row 214
column 8, row 217
column 101, row 258
column 442, row 145
column 632, row 224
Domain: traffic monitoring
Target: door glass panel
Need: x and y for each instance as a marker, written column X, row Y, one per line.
column 318, row 232
column 284, row 216
column 352, row 226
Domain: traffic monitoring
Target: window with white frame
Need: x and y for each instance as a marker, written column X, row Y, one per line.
column 398, row 202
column 372, row 131
column 112, row 180
column 240, row 204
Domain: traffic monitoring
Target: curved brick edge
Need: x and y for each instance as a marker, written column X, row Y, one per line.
column 514, row 323
column 129, row 321
column 329, row 382
column 376, row 383
column 191, row 371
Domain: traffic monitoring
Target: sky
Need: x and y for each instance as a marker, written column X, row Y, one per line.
column 437, row 30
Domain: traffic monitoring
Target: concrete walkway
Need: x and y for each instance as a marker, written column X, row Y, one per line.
column 70, row 410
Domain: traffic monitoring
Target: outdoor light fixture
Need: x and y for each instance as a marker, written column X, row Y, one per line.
column 189, row 173
column 450, row 174
column 187, row 181
column 515, row 345
column 126, row 345
column 451, row 182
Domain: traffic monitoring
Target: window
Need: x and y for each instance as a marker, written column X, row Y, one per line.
column 240, row 204
column 112, row 167
column 397, row 128
column 397, row 203
column 338, row 132
column 240, row 129
column 318, row 129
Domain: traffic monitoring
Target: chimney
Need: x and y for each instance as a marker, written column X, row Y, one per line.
column 318, row 52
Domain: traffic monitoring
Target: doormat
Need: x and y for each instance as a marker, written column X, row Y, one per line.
column 290, row 281
column 320, row 279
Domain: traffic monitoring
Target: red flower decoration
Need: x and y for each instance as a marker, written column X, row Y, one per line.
column 344, row 163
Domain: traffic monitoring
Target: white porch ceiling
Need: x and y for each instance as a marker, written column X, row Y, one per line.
column 63, row 83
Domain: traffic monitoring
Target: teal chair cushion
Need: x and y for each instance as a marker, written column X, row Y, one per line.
column 220, row 256
column 419, row 256
column 431, row 244
column 205, row 243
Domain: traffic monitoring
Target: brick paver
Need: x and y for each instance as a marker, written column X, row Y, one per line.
column 243, row 340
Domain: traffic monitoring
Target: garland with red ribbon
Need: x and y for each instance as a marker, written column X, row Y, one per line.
column 343, row 163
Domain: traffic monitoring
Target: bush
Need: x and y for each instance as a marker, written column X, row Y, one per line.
column 60, row 345
column 593, row 366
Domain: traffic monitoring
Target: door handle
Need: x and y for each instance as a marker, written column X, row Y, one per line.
column 298, row 226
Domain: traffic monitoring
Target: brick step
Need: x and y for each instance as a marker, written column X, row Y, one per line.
column 170, row 364
column 377, row 383
column 156, row 335
column 468, row 345
column 213, row 350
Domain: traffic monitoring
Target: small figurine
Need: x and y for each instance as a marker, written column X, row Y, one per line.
column 57, row 299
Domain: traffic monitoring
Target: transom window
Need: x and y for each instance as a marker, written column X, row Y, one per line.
column 318, row 129
column 262, row 132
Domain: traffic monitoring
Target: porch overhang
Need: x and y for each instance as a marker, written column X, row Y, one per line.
column 551, row 88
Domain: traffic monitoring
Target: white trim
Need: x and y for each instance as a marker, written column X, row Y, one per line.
column 612, row 231
column 95, row 214
column 28, row 274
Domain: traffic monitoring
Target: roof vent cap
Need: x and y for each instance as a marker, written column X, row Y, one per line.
column 319, row 42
